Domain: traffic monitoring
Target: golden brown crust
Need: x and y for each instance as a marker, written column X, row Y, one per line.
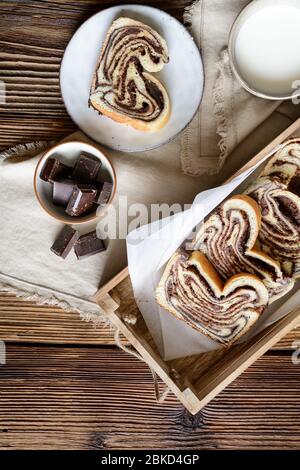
column 255, row 206
column 200, row 258
column 136, row 123
column 249, row 200
column 238, row 277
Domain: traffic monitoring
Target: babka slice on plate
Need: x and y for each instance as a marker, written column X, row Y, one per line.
column 192, row 290
column 228, row 239
column 123, row 86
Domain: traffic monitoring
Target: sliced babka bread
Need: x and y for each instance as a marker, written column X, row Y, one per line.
column 123, row 86
column 279, row 233
column 192, row 290
column 228, row 239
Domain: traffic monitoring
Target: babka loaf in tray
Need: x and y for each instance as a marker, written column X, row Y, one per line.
column 196, row 379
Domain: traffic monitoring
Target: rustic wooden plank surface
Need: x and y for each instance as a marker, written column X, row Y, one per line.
column 25, row 322
column 33, row 36
column 54, row 397
column 89, row 397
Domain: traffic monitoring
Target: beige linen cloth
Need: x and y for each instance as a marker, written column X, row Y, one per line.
column 29, row 269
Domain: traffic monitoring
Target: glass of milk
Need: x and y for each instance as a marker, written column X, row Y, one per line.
column 264, row 48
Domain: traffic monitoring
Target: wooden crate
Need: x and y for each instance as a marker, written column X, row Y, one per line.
column 196, row 379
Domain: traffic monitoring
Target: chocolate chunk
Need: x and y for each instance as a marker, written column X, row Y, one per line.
column 53, row 169
column 88, row 245
column 104, row 194
column 65, row 241
column 62, row 191
column 81, row 200
column 86, row 168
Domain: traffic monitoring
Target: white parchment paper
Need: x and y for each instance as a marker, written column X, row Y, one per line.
column 148, row 250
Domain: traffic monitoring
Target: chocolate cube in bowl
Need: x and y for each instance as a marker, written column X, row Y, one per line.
column 81, row 200
column 65, row 241
column 86, row 168
column 62, row 191
column 53, row 169
column 88, row 245
column 104, row 194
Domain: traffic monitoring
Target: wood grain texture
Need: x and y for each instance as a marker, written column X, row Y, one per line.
column 69, row 398
column 25, row 322
column 33, row 37
column 56, row 397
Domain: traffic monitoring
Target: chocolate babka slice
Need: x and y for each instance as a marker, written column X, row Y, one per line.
column 285, row 166
column 123, row 86
column 228, row 239
column 193, row 291
column 279, row 234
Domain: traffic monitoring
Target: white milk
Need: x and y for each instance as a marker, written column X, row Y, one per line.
column 267, row 49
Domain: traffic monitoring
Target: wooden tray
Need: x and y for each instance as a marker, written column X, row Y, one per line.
column 196, row 379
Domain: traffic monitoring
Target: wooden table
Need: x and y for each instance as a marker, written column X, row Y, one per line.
column 65, row 385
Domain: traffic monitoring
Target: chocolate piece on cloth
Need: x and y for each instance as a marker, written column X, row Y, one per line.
column 62, row 191
column 104, row 194
column 65, row 241
column 53, row 169
column 81, row 200
column 88, row 245
column 86, row 168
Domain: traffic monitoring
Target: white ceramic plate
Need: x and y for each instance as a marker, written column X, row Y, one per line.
column 182, row 77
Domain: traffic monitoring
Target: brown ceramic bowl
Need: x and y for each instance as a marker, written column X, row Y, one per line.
column 67, row 153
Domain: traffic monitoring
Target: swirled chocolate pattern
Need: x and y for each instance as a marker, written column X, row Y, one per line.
column 279, row 234
column 192, row 290
column 123, row 87
column 285, row 166
column 228, row 240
